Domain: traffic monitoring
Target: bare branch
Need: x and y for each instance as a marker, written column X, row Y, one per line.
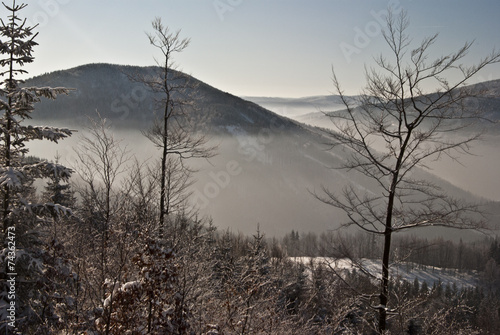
column 409, row 127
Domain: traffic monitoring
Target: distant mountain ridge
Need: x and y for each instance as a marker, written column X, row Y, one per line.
column 108, row 89
column 313, row 110
column 296, row 108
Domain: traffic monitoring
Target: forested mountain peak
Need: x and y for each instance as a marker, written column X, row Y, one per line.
column 109, row 89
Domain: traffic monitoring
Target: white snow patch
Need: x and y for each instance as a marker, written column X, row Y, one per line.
column 131, row 285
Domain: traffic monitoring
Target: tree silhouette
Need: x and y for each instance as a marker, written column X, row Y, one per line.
column 408, row 127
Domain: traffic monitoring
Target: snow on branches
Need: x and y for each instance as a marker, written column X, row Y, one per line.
column 48, row 133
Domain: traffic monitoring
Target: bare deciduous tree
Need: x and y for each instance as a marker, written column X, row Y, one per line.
column 172, row 132
column 101, row 162
column 398, row 127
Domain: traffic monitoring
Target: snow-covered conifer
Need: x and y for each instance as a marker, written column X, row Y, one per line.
column 20, row 211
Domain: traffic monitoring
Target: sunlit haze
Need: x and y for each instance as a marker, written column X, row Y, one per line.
column 255, row 47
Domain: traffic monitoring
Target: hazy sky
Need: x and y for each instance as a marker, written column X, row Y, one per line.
column 255, row 47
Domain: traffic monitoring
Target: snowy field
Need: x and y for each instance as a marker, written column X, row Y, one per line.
column 403, row 271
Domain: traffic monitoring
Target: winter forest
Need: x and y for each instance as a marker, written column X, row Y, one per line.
column 116, row 245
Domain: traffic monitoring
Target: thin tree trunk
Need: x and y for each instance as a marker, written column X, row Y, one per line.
column 6, row 200
column 384, row 296
column 163, row 173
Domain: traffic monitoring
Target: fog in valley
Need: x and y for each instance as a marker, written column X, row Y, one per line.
column 252, row 181
column 476, row 173
column 267, row 180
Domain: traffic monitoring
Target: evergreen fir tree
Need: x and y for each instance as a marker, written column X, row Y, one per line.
column 58, row 190
column 24, row 219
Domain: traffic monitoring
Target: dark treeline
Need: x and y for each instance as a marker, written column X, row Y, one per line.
column 437, row 252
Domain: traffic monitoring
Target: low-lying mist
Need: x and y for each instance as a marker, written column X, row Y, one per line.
column 476, row 173
column 263, row 180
